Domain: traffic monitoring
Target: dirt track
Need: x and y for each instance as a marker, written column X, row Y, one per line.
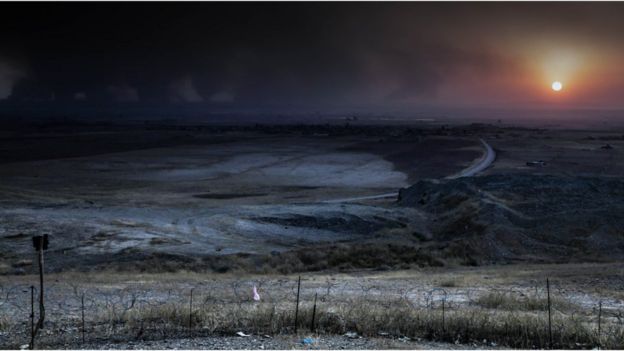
column 483, row 163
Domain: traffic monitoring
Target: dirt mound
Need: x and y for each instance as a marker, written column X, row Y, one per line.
column 525, row 217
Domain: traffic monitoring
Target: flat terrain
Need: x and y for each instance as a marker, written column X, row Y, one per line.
column 566, row 152
column 140, row 216
column 206, row 193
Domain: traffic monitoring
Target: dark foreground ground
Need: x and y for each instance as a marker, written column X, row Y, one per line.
column 303, row 342
column 463, row 307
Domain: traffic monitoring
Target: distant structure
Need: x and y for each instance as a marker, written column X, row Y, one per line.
column 538, row 163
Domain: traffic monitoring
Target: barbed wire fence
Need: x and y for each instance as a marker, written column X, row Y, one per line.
column 86, row 313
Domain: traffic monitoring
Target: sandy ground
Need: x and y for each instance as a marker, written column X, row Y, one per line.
column 224, row 196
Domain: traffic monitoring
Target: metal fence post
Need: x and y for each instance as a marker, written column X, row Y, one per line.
column 443, row 321
column 549, row 314
column 297, row 305
column 83, row 319
column 41, row 305
column 191, row 312
column 32, row 318
column 313, row 313
column 599, row 323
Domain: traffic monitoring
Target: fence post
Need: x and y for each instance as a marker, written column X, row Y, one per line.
column 40, row 244
column 32, row 318
column 443, row 321
column 599, row 319
column 313, row 313
column 432, row 305
column 41, row 305
column 549, row 314
column 83, row 321
column 191, row 312
column 297, row 305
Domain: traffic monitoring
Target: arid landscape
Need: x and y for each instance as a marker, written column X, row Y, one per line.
column 311, row 175
column 402, row 217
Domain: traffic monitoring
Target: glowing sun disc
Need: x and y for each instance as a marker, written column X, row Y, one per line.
column 557, row 86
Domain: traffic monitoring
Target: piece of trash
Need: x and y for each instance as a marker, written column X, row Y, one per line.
column 307, row 341
column 351, row 335
column 266, row 336
column 24, row 347
column 242, row 334
column 404, row 339
column 383, row 334
column 256, row 296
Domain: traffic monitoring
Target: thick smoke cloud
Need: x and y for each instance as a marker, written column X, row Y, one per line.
column 277, row 54
column 123, row 93
column 10, row 73
column 183, row 90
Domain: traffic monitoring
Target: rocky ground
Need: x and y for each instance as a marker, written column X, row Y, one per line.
column 224, row 207
column 279, row 342
column 506, row 218
column 206, row 193
column 152, row 310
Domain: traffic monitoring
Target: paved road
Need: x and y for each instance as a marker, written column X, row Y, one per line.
column 484, row 162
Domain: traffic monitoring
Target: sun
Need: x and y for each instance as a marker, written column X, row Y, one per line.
column 557, row 86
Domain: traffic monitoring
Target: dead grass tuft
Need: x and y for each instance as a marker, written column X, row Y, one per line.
column 510, row 301
column 510, row 326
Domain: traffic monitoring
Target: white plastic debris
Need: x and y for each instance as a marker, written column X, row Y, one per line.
column 241, row 334
column 256, row 296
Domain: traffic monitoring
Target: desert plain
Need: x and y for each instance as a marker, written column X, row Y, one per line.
column 400, row 246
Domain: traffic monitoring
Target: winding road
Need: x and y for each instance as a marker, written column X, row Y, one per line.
column 484, row 162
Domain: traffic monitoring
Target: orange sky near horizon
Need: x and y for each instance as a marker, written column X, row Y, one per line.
column 320, row 56
column 531, row 49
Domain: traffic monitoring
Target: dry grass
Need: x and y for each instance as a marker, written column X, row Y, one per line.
column 340, row 257
column 367, row 303
column 450, row 282
column 513, row 328
column 4, row 323
column 510, row 301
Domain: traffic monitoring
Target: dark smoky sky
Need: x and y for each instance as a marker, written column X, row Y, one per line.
column 324, row 55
